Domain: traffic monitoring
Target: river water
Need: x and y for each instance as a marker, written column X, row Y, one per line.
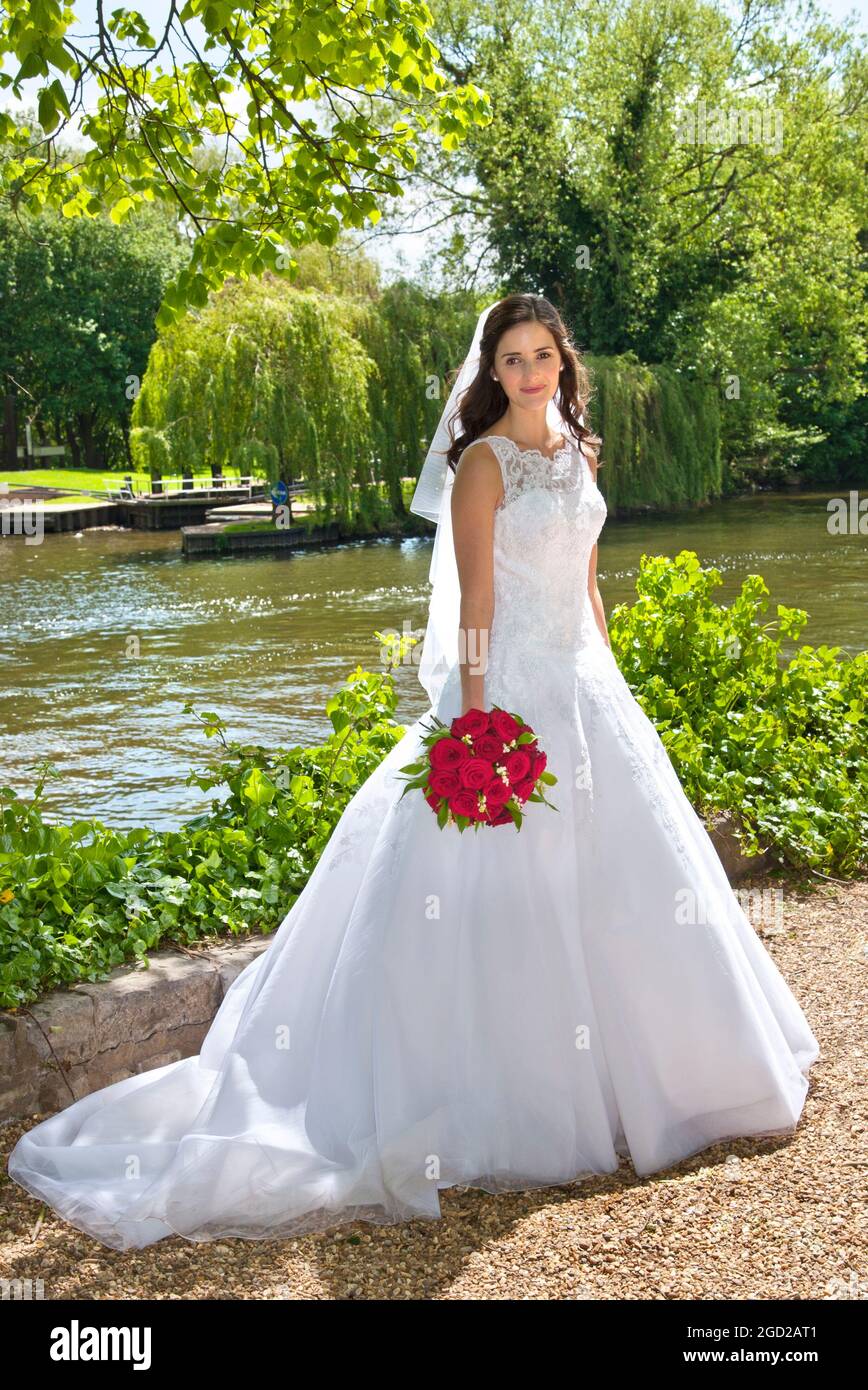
column 105, row 635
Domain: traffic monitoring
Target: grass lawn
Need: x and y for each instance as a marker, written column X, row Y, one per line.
column 306, row 519
column 70, row 501
column 75, row 478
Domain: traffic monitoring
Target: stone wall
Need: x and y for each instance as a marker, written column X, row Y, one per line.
column 77, row 1040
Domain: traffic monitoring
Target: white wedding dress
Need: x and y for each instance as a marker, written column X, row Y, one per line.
column 502, row 1008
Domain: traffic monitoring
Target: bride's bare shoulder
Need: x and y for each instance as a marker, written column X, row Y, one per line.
column 478, row 477
column 478, row 461
column 479, row 449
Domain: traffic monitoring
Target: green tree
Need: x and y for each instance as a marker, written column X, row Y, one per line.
column 77, row 304
column 250, row 188
column 686, row 181
column 416, row 341
column 267, row 378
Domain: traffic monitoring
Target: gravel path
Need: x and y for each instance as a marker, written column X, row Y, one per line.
column 769, row 1218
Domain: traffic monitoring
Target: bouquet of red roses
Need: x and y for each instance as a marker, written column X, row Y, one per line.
column 480, row 769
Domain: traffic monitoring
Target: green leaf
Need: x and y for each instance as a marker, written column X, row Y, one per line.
column 121, row 210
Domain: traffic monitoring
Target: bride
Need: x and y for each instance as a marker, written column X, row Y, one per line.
column 498, row 1008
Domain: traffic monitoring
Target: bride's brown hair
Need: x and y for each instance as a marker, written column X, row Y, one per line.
column 485, row 400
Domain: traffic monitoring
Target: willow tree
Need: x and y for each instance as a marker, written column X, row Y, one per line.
column 416, row 341
column 660, row 431
column 267, row 379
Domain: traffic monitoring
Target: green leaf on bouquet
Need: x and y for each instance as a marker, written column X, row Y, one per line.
column 416, row 784
column 525, row 738
column 548, row 777
column 443, row 814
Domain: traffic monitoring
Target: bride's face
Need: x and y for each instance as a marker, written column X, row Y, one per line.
column 527, row 364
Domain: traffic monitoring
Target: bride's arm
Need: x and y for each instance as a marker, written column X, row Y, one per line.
column 477, row 489
column 593, row 591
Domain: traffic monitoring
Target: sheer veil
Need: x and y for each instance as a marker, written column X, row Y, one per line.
column 432, row 498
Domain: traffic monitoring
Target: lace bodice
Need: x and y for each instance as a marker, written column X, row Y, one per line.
column 546, row 659
column 544, row 531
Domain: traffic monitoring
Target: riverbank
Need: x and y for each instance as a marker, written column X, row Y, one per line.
column 258, row 532
column 222, row 538
column 55, row 512
column 207, row 529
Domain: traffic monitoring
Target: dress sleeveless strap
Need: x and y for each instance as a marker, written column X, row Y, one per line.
column 525, row 468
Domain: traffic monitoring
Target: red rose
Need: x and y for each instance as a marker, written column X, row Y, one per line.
column 497, row 792
column 488, row 746
column 444, row 783
column 517, row 765
column 464, row 803
column 474, row 722
column 448, row 753
column 474, row 773
column 504, row 725
column 478, row 771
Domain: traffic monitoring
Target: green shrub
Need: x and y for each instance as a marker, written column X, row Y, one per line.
column 779, row 742
column 76, row 901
